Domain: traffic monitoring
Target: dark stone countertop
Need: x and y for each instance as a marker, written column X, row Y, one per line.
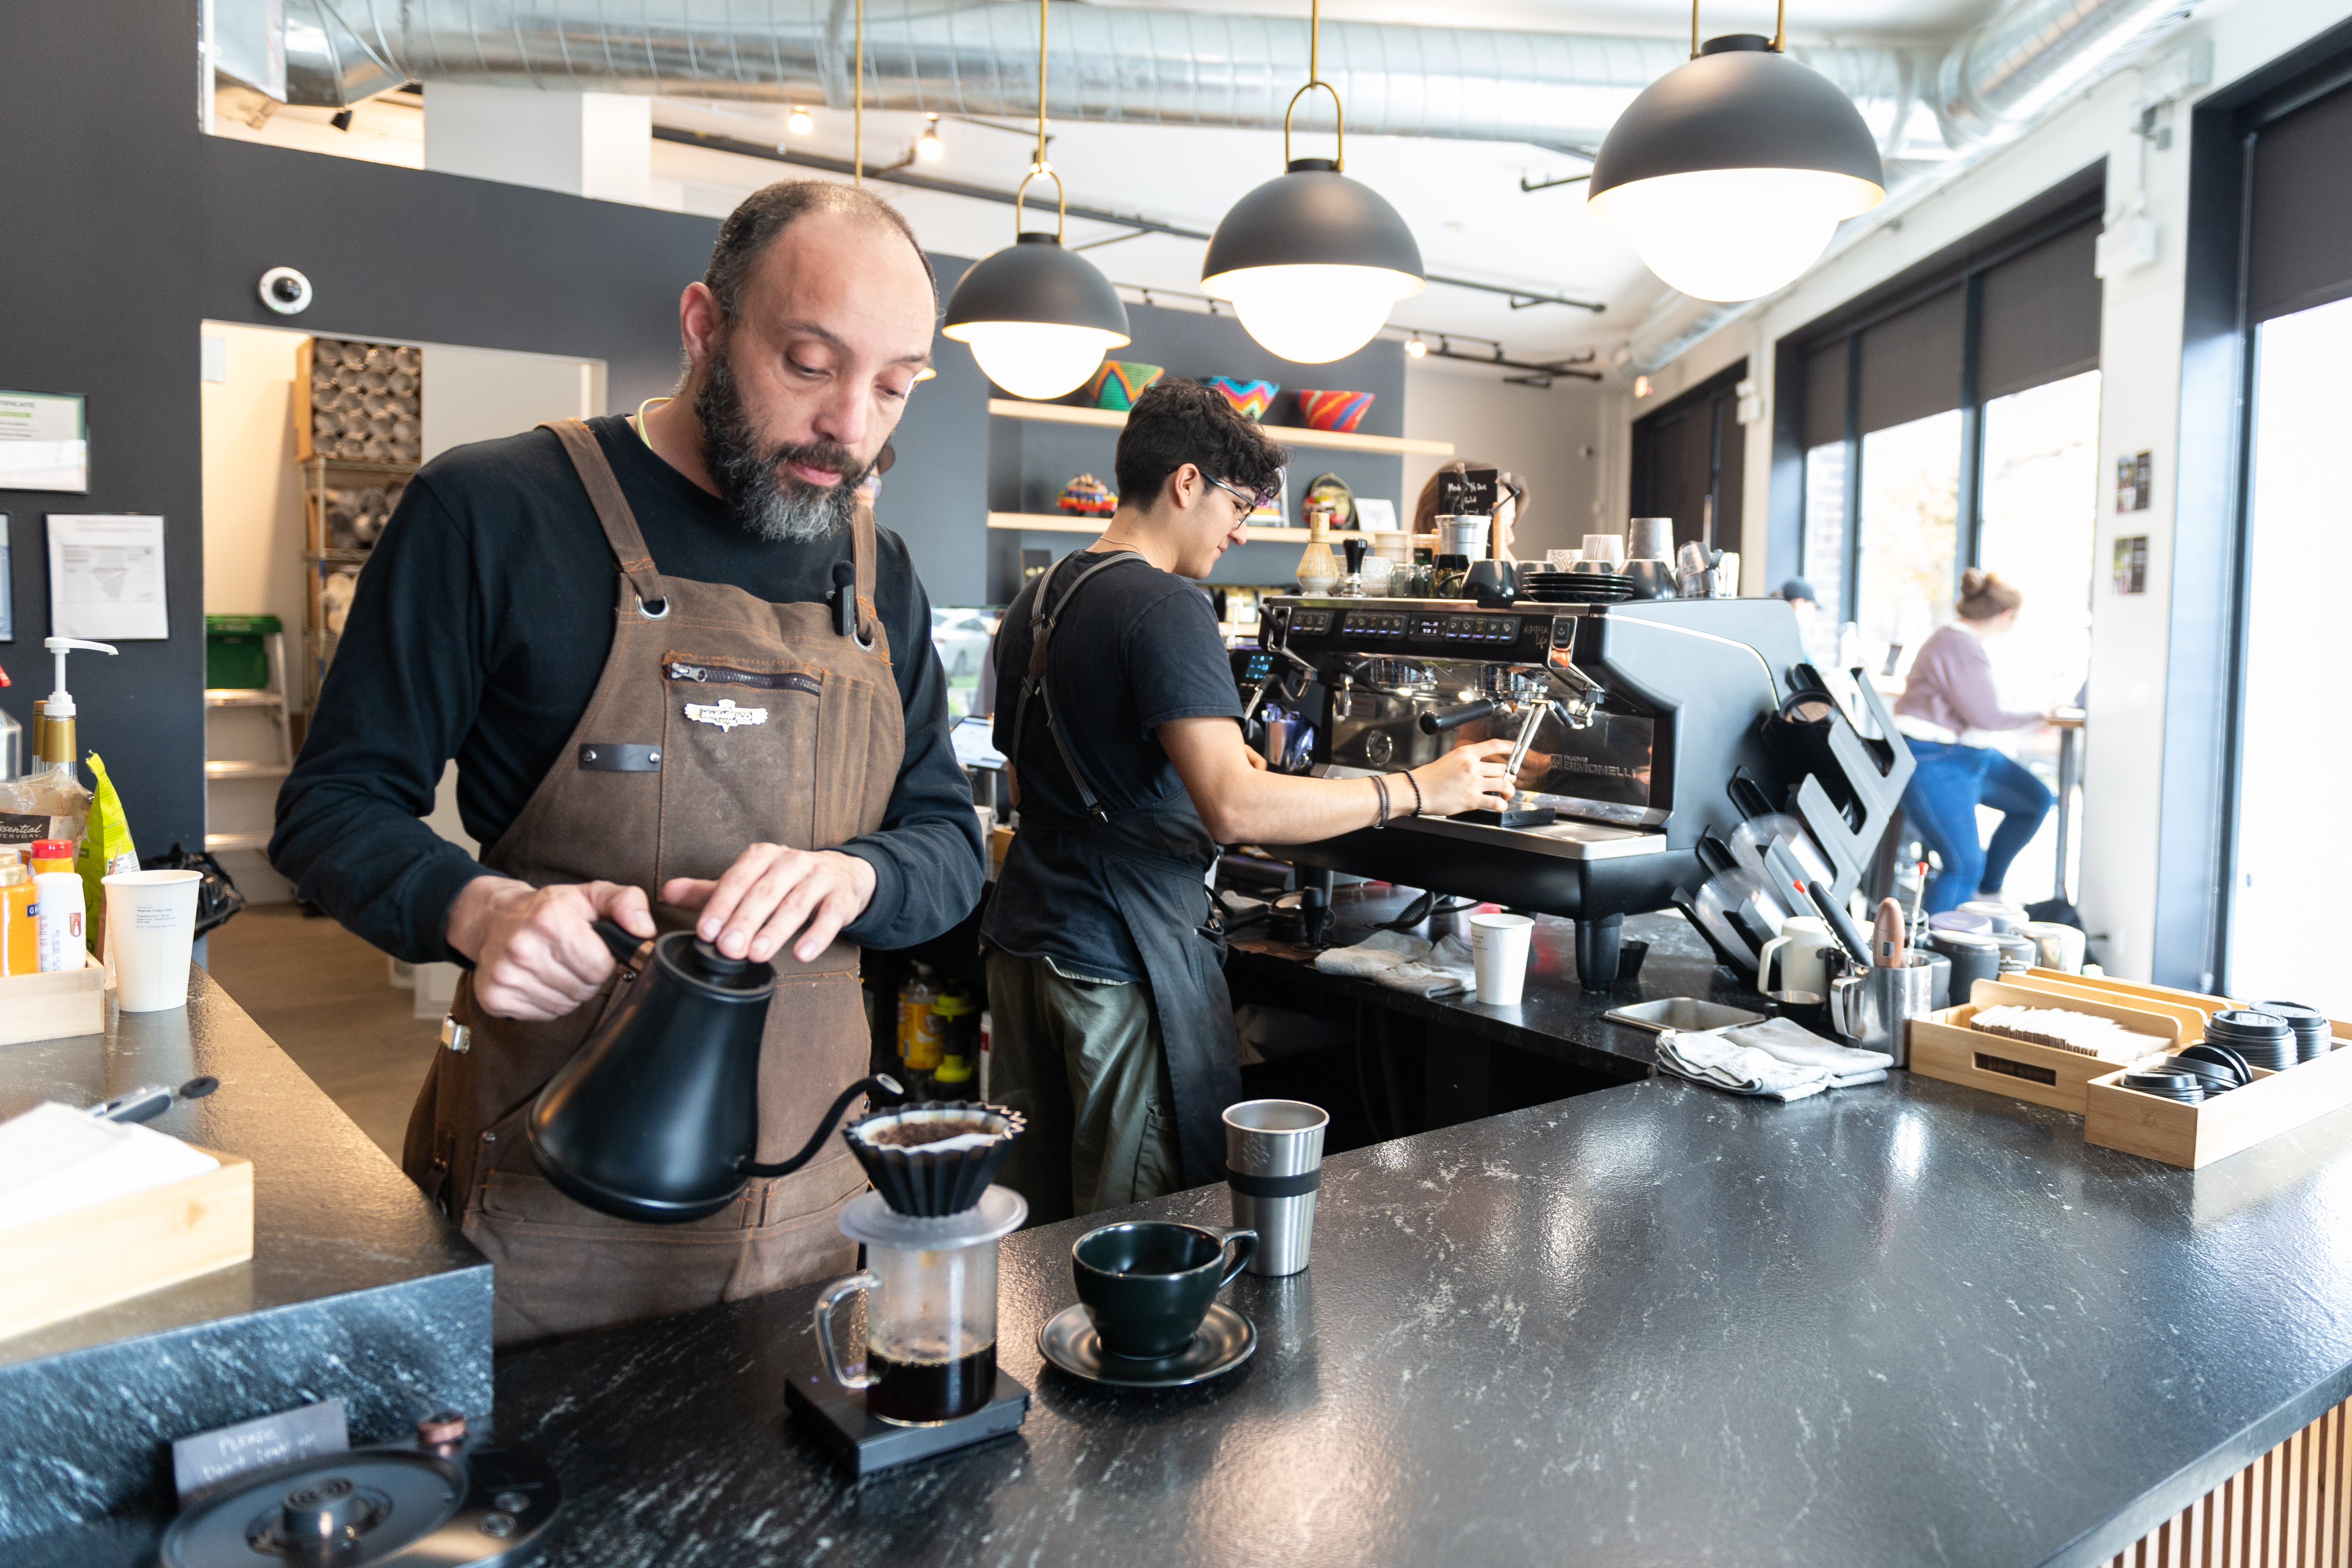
column 330, row 1214
column 1556, row 1016
column 1909, row 1324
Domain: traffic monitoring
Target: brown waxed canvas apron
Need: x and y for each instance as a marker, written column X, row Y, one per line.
column 720, row 721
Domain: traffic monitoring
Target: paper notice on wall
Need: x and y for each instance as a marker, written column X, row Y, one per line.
column 44, row 442
column 106, row 578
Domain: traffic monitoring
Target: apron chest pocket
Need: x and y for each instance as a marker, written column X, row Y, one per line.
column 739, row 760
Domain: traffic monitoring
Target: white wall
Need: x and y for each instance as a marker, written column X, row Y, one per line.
column 595, row 144
column 1550, row 436
column 2140, row 358
column 253, row 534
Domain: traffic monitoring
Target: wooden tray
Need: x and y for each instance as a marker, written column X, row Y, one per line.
column 2125, row 991
column 1944, row 1046
column 2194, row 1136
column 89, row 1258
column 55, row 1006
column 2047, row 988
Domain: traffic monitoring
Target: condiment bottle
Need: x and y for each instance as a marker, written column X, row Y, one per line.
column 52, row 854
column 918, row 1023
column 20, row 945
column 59, row 912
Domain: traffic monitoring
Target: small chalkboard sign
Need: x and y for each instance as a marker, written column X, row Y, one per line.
column 1468, row 492
column 209, row 1458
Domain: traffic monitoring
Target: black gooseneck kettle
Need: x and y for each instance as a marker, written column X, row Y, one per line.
column 655, row 1116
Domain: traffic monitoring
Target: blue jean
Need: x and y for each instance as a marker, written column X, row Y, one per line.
column 1941, row 803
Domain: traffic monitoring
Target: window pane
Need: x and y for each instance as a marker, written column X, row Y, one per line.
column 1910, row 533
column 2040, row 527
column 1821, row 553
column 2293, row 855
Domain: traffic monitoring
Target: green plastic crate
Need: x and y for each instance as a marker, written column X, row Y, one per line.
column 236, row 656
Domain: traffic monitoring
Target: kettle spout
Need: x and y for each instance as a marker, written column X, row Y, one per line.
column 886, row 1092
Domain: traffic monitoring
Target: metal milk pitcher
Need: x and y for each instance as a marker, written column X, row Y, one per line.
column 1868, row 1004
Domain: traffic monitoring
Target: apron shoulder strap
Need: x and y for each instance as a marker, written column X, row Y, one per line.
column 612, row 512
column 861, row 555
column 1044, row 613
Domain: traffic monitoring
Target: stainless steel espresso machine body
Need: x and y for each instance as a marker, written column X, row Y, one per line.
column 1644, row 732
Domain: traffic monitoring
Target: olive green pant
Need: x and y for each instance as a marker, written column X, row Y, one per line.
column 1083, row 1061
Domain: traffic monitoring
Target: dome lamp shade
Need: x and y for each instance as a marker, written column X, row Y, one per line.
column 1311, row 260
column 1730, row 174
column 1038, row 318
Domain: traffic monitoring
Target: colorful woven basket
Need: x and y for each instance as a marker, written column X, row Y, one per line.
column 1118, row 384
column 1340, row 411
column 1249, row 397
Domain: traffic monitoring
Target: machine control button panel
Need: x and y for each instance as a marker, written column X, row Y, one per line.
column 1379, row 622
column 1312, row 622
column 1480, row 628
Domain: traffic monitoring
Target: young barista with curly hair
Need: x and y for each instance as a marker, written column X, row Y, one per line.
column 1117, row 706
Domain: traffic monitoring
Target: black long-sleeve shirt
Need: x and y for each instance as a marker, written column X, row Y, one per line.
column 480, row 628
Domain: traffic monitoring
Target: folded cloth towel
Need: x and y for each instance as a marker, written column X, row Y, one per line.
column 1801, row 1046
column 1404, row 963
column 1766, row 1063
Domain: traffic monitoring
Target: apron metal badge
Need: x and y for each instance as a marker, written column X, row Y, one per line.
column 724, row 715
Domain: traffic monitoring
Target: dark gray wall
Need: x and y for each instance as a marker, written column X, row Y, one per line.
column 936, row 497
column 99, row 275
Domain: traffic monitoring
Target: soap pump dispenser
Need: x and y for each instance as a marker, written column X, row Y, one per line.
column 51, row 787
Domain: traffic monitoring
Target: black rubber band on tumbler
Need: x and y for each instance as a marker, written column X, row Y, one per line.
column 1274, row 1185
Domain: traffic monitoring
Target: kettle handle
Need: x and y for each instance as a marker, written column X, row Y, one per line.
column 623, row 946
column 883, row 1087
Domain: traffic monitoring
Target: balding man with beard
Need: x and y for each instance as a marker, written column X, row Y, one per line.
column 687, row 684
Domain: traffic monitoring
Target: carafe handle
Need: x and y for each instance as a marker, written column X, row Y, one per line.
column 832, row 1297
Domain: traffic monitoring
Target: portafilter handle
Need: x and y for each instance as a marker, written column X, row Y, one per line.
column 1440, row 720
column 882, row 1086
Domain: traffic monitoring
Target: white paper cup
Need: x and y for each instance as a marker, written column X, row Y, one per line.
column 1609, row 548
column 1498, row 954
column 151, row 919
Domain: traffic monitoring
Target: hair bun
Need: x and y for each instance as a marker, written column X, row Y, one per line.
column 1973, row 582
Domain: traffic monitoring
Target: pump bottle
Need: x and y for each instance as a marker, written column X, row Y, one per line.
column 50, row 801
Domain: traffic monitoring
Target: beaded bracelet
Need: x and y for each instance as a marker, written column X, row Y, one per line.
column 1416, row 792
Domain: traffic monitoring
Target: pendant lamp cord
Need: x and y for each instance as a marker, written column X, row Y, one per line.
column 1339, row 112
column 1038, row 165
column 857, row 99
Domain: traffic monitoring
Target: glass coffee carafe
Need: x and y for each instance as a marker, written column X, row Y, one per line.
column 930, row 1307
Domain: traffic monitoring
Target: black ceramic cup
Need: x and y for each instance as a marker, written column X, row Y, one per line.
column 1147, row 1285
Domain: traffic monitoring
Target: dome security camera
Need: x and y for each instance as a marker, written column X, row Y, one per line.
column 286, row 291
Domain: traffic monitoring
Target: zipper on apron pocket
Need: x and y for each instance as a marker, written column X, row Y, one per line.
column 728, row 676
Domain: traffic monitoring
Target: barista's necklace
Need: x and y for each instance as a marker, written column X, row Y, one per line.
column 638, row 419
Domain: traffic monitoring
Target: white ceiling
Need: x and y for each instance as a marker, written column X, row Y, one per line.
column 1810, row 21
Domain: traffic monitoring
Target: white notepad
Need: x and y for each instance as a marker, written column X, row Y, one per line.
column 55, row 1159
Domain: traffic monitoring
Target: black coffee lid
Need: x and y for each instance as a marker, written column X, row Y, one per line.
column 2164, row 1081
column 2246, row 1023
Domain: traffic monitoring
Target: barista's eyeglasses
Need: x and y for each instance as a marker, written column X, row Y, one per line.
column 1249, row 503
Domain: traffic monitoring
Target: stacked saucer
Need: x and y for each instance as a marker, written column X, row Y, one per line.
column 1575, row 586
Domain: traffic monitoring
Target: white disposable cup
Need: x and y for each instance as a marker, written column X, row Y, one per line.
column 151, row 919
column 1499, row 956
column 1610, row 547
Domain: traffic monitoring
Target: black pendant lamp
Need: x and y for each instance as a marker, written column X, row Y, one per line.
column 1311, row 260
column 1038, row 318
column 1731, row 174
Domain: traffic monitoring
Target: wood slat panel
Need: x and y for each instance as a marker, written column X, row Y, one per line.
column 2292, row 1508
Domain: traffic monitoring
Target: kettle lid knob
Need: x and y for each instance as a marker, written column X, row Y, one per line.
column 715, row 965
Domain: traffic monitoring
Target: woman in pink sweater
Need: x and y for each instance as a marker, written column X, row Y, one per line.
column 1950, row 692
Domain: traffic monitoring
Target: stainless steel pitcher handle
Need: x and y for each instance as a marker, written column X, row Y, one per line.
column 833, row 1296
column 1841, row 989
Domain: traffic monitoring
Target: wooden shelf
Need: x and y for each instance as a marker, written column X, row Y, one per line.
column 1294, row 434
column 1063, row 523
column 246, row 769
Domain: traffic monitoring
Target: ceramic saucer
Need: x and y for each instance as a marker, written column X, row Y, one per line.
column 1223, row 1341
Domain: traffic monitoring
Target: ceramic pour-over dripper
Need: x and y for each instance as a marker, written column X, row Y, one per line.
column 935, row 1158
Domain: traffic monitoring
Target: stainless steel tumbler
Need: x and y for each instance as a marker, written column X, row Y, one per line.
column 1869, row 1005
column 1274, row 1163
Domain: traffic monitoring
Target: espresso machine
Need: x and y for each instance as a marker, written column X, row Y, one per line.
column 1642, row 733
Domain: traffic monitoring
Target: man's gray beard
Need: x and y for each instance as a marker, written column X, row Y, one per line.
column 767, row 504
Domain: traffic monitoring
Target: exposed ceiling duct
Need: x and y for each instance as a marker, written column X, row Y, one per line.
column 1933, row 109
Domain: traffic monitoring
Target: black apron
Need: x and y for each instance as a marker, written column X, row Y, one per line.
column 1156, row 860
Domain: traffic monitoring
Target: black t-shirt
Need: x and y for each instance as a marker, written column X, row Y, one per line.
column 1136, row 648
column 480, row 629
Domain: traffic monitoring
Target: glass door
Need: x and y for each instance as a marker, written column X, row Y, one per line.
column 2295, row 731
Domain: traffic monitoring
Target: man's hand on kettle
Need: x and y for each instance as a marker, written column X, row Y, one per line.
column 1468, row 777
column 772, row 894
column 536, row 953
